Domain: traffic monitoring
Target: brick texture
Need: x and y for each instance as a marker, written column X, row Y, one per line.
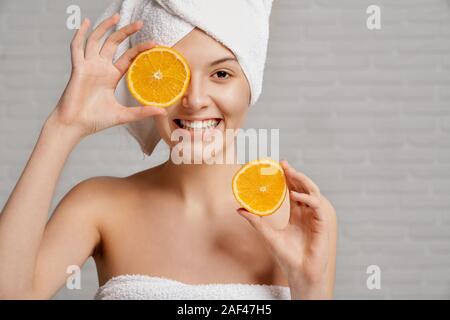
column 366, row 114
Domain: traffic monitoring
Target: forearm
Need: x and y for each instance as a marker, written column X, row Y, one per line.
column 25, row 213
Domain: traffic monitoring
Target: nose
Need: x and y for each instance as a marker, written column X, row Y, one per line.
column 196, row 97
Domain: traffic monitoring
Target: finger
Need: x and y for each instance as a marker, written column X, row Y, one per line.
column 92, row 45
column 125, row 60
column 262, row 227
column 301, row 178
column 130, row 114
column 77, row 44
column 292, row 183
column 310, row 200
column 110, row 45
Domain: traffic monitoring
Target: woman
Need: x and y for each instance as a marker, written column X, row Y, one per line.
column 175, row 222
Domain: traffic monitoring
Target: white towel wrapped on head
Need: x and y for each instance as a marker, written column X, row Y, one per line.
column 240, row 25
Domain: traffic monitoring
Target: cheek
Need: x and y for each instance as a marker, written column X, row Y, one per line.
column 235, row 102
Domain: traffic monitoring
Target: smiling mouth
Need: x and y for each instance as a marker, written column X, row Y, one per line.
column 197, row 124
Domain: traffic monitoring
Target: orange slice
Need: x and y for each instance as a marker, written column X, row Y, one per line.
column 158, row 77
column 260, row 186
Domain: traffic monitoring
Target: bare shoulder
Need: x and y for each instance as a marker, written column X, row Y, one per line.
column 96, row 190
column 94, row 197
column 106, row 188
column 87, row 192
column 98, row 183
column 107, row 196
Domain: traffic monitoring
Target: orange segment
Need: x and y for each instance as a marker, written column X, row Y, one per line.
column 158, row 77
column 260, row 186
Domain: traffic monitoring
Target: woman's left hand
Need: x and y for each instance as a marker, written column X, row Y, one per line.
column 305, row 248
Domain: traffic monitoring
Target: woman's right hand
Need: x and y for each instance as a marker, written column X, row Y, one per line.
column 88, row 103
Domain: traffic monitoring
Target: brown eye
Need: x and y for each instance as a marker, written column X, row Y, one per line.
column 222, row 74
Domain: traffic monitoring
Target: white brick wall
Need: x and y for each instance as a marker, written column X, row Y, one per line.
column 365, row 113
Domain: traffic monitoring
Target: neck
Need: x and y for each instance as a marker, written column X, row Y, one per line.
column 200, row 180
column 203, row 188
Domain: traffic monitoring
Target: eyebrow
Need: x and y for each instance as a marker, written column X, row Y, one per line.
column 222, row 60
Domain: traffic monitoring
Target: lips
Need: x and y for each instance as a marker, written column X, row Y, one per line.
column 197, row 124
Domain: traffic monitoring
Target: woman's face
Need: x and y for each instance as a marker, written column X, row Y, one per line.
column 218, row 91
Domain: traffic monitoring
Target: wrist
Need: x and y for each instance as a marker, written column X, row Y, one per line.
column 54, row 127
column 302, row 289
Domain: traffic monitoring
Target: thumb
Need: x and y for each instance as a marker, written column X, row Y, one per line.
column 262, row 227
column 130, row 114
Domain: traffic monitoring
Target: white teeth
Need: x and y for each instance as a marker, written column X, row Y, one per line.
column 198, row 124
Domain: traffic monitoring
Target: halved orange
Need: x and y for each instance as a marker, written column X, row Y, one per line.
column 158, row 77
column 260, row 186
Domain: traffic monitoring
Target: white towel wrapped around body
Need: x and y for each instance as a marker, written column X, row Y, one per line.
column 143, row 287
